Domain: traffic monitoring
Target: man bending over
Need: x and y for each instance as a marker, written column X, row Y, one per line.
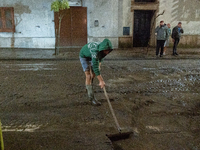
column 91, row 56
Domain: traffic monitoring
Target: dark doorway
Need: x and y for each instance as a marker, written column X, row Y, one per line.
column 142, row 25
column 74, row 27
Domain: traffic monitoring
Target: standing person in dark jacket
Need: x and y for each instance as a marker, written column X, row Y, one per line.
column 162, row 36
column 91, row 56
column 176, row 35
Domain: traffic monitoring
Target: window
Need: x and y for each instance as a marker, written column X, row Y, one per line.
column 7, row 19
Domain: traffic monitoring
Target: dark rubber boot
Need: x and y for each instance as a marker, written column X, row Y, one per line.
column 92, row 99
column 95, row 102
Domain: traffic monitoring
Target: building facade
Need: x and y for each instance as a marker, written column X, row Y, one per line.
column 127, row 23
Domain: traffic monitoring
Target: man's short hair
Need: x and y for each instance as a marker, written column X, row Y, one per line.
column 161, row 21
column 180, row 23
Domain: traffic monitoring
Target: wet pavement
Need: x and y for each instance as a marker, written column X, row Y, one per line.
column 27, row 54
column 43, row 103
column 71, row 53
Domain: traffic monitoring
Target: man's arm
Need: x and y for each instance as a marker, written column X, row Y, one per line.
column 172, row 35
column 174, row 32
column 101, row 81
column 181, row 30
column 156, row 30
column 100, row 78
column 167, row 33
column 96, row 64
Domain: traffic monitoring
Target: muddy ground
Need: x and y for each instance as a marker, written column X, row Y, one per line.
column 44, row 106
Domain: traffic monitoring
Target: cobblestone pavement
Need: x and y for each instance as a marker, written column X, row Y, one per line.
column 43, row 103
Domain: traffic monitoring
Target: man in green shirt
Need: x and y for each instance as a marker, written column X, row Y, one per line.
column 91, row 56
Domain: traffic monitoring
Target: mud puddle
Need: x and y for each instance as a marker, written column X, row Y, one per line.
column 157, row 100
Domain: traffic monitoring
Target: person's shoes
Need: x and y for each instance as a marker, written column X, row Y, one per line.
column 164, row 53
column 95, row 102
column 92, row 99
column 176, row 54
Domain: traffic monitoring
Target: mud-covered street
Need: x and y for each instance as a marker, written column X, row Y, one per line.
column 44, row 105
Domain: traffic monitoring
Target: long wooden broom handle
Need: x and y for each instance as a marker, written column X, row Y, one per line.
column 112, row 111
column 109, row 104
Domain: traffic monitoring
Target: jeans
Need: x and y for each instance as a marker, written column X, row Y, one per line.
column 160, row 44
column 176, row 41
column 86, row 63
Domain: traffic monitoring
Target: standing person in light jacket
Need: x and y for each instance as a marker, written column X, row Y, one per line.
column 167, row 41
column 176, row 35
column 91, row 56
column 162, row 36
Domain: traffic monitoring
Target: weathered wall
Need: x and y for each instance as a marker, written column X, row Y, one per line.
column 128, row 20
column 112, row 15
column 186, row 11
column 125, row 20
column 34, row 25
column 75, row 2
column 106, row 12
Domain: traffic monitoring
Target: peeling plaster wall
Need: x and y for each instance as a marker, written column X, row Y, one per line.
column 112, row 16
column 127, row 16
column 106, row 12
column 186, row 11
column 75, row 2
column 34, row 25
column 125, row 20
